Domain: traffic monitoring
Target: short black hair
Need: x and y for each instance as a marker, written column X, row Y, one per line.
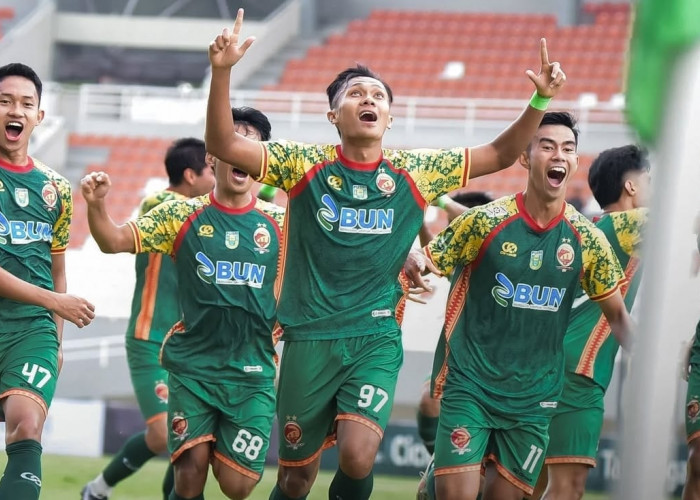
column 182, row 154
column 255, row 118
column 348, row 74
column 472, row 199
column 561, row 118
column 606, row 177
column 19, row 69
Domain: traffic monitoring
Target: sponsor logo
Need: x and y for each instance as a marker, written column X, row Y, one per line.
column 386, row 183
column 262, row 239
column 206, row 230
column 293, row 433
column 231, row 239
column 253, row 369
column 161, row 390
column 509, row 249
column 359, row 192
column 351, row 220
column 49, row 194
column 31, row 477
column 692, row 410
column 536, row 259
column 21, row 232
column 525, row 296
column 565, row 255
column 548, row 404
column 178, row 425
column 335, row 182
column 22, row 196
column 460, row 439
column 223, row 272
column 2, row 187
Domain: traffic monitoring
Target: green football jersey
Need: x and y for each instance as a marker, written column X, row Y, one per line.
column 349, row 229
column 226, row 262
column 589, row 346
column 154, row 306
column 510, row 298
column 35, row 213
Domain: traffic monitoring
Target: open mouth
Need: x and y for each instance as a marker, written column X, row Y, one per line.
column 239, row 174
column 368, row 116
column 556, row 176
column 13, row 130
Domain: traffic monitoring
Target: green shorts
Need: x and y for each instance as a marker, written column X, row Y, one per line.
column 237, row 418
column 322, row 381
column 692, row 404
column 29, row 366
column 149, row 379
column 578, row 419
column 467, row 435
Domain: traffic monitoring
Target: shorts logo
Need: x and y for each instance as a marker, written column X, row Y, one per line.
column 460, row 439
column 31, row 477
column 179, row 426
column 22, row 197
column 359, row 192
column 231, row 240
column 335, row 182
column 262, row 239
column 536, row 259
column 161, row 390
column 386, row 184
column 565, row 255
column 293, row 433
column 50, row 196
column 693, row 409
column 206, row 230
column 509, row 249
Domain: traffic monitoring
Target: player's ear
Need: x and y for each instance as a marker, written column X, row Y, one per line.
column 524, row 159
column 390, row 122
column 189, row 176
column 331, row 116
column 630, row 187
column 40, row 116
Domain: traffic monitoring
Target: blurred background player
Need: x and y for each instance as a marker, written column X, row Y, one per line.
column 35, row 215
column 154, row 310
column 343, row 348
column 619, row 180
column 220, row 357
column 498, row 363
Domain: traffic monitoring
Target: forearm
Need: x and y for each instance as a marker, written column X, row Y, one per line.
column 13, row 288
column 219, row 130
column 510, row 143
column 622, row 328
column 424, row 235
column 110, row 237
column 59, row 286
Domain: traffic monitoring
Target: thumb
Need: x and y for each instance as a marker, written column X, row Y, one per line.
column 531, row 75
column 246, row 45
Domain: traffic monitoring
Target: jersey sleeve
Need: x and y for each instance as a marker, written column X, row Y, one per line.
column 629, row 226
column 284, row 163
column 434, row 171
column 155, row 231
column 274, row 211
column 460, row 242
column 602, row 273
column 61, row 228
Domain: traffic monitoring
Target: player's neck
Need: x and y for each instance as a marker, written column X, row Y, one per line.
column 542, row 211
column 183, row 190
column 18, row 158
column 233, row 200
column 622, row 205
column 362, row 152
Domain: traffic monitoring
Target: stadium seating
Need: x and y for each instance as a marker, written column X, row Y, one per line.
column 411, row 49
column 6, row 14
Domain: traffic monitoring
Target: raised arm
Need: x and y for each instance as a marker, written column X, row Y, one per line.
column 615, row 312
column 220, row 138
column 504, row 150
column 110, row 237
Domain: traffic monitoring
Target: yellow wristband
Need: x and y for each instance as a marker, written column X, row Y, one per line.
column 539, row 102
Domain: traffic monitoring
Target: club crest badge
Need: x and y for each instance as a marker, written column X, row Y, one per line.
column 262, row 239
column 460, row 439
column 161, row 390
column 178, row 426
column 231, row 240
column 22, row 196
column 49, row 194
column 565, row 255
column 386, row 184
column 692, row 410
column 536, row 259
column 293, row 433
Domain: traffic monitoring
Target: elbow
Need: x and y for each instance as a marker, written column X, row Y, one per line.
column 108, row 246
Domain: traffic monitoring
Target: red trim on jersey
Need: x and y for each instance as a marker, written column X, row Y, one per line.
column 356, row 165
column 233, row 211
column 520, row 202
column 308, row 176
column 492, row 234
column 185, row 227
column 411, row 184
column 17, row 169
column 148, row 297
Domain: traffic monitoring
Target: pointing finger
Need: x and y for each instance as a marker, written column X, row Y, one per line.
column 543, row 52
column 238, row 23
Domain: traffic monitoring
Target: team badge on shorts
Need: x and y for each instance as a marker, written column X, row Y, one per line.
column 262, row 239
column 161, row 390
column 22, row 196
column 293, row 433
column 536, row 259
column 692, row 410
column 460, row 439
column 49, row 194
column 565, row 255
column 386, row 184
column 231, row 240
column 178, row 425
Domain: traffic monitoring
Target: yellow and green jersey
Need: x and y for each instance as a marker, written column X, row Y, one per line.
column 226, row 261
column 512, row 288
column 154, row 306
column 35, row 214
column 348, row 231
column 589, row 346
